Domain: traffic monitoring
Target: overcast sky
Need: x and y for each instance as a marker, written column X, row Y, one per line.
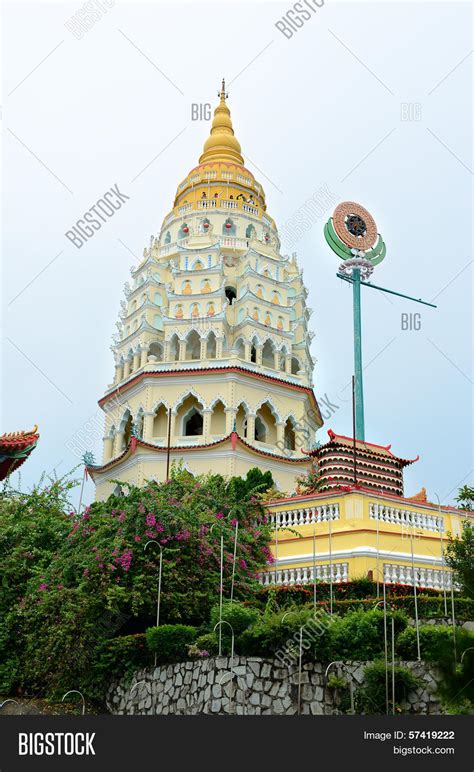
column 323, row 108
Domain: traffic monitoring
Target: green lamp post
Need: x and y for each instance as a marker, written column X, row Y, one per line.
column 352, row 234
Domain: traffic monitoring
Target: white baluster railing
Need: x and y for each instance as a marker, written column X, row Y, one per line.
column 304, row 574
column 305, row 515
column 405, row 517
column 431, row 578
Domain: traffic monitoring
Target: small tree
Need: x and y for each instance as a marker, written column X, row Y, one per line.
column 465, row 498
column 460, row 557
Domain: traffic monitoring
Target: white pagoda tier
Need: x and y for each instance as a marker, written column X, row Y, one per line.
column 212, row 360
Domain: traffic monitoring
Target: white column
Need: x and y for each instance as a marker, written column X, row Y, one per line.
column 173, row 427
column 248, row 349
column 126, row 368
column 288, row 363
column 143, row 356
column 259, row 351
column 276, row 360
column 230, row 413
column 251, row 427
column 280, row 427
column 219, row 342
column 206, row 424
column 166, row 351
column 182, row 350
column 148, row 426
column 108, row 448
column 118, row 372
column 136, row 360
column 118, row 444
column 203, row 353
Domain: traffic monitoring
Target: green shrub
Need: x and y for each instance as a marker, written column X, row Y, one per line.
column 170, row 642
column 278, row 634
column 116, row 658
column 371, row 698
column 237, row 615
column 360, row 634
column 436, row 643
column 208, row 642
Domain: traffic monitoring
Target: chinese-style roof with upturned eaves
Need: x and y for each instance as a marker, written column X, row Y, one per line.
column 15, row 447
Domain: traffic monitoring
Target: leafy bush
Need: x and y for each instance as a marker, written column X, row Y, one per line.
column 208, row 642
column 436, row 643
column 62, row 573
column 360, row 634
column 117, row 658
column 170, row 642
column 237, row 615
column 371, row 697
column 358, row 589
column 437, row 646
column 279, row 634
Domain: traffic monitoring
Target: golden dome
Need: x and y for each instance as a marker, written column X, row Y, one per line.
column 222, row 145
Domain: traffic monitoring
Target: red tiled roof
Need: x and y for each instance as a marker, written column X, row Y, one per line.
column 135, row 442
column 15, row 447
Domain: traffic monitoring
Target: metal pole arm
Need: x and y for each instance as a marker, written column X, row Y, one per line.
column 383, row 289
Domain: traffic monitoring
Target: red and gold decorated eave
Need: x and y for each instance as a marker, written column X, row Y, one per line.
column 15, row 447
column 233, row 440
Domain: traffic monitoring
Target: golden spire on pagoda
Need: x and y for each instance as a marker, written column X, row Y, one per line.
column 222, row 145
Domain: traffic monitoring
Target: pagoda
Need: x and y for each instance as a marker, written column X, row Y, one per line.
column 212, row 361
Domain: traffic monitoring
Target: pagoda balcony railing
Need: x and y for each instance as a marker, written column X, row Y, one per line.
column 431, row 578
column 305, row 515
column 405, row 517
column 339, row 572
column 225, row 241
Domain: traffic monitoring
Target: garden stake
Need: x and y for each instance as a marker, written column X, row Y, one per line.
column 153, row 541
column 233, row 563
column 414, row 579
column 442, row 560
column 75, row 691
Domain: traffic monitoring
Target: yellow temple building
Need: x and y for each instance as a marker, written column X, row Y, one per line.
column 213, row 370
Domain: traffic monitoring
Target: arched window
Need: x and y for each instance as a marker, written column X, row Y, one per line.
column 198, row 266
column 241, row 420
column 211, row 346
column 260, row 430
column 174, row 348
column 186, row 288
column 259, row 291
column 206, row 286
column 168, row 237
column 249, row 232
column 289, row 439
column 228, row 229
column 255, row 315
column 240, row 348
column 265, row 425
column 295, row 365
column 183, row 231
column 156, row 350
column 193, row 423
column 158, row 321
column 157, row 299
column 268, row 358
column 231, row 294
column 160, row 422
column 193, row 345
column 218, row 419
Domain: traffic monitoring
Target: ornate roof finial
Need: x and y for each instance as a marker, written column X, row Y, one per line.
column 222, row 145
column 222, row 93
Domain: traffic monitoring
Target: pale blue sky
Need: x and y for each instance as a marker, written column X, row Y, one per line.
column 323, row 108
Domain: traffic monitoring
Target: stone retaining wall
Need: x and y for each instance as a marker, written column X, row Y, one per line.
column 255, row 686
